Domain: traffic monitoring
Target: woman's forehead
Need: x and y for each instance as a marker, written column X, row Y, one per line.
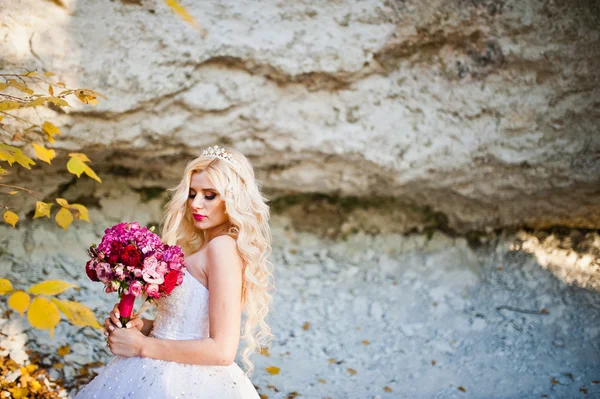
column 200, row 181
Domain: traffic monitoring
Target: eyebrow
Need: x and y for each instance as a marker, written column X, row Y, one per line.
column 203, row 189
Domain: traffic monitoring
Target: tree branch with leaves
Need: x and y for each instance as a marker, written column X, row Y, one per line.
column 23, row 131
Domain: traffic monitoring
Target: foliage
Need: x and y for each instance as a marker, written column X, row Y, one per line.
column 21, row 98
column 183, row 14
column 43, row 312
column 29, row 381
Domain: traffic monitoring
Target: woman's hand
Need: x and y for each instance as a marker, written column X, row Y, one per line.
column 113, row 321
column 126, row 342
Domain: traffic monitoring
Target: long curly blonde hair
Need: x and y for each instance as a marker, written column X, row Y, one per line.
column 249, row 217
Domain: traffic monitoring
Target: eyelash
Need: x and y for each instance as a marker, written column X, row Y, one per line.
column 192, row 196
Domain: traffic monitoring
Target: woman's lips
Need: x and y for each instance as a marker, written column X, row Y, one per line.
column 199, row 217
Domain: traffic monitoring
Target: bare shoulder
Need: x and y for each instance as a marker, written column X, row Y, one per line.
column 222, row 252
column 223, row 242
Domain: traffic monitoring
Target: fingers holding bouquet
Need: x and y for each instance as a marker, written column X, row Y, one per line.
column 125, row 342
column 113, row 321
column 132, row 261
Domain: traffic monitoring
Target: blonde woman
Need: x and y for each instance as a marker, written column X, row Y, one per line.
column 220, row 219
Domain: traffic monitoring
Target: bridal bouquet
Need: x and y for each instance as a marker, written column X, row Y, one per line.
column 133, row 261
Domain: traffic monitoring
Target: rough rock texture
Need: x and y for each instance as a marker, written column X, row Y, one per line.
column 421, row 316
column 474, row 114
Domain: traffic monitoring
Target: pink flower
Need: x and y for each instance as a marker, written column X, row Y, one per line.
column 180, row 278
column 137, row 273
column 162, row 268
column 135, row 288
column 152, row 290
column 150, row 274
column 120, row 272
column 104, row 272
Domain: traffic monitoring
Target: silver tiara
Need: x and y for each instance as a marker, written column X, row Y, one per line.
column 216, row 152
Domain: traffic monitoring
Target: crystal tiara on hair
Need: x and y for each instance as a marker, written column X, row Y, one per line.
column 216, row 152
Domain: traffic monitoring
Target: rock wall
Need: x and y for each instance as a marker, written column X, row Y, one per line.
column 468, row 115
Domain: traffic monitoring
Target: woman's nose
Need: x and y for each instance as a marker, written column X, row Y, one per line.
column 197, row 203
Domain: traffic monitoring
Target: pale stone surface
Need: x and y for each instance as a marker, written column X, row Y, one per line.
column 483, row 111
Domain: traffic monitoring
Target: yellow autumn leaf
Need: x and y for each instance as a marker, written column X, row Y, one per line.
column 5, row 286
column 322, row 381
column 77, row 166
column 20, row 86
column 58, row 101
column 51, row 130
column 2, row 171
column 264, row 351
column 65, row 92
column 50, row 287
column 42, row 209
column 30, row 74
column 3, row 86
column 11, row 218
column 387, row 389
column 23, row 159
column 64, row 218
column 35, row 386
column 44, row 154
column 366, row 342
column 19, row 393
column 80, row 156
column 19, row 301
column 273, row 370
column 37, row 102
column 43, row 314
column 82, row 212
column 77, row 313
column 63, row 202
column 1, row 117
column 63, row 350
column 88, row 96
column 185, row 15
column 352, row 371
column 306, row 326
column 48, row 74
column 13, row 192
column 8, row 105
column 51, row 90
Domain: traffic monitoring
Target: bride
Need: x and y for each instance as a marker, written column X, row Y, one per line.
column 220, row 219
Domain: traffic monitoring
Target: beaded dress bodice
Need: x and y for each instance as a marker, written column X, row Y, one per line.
column 184, row 313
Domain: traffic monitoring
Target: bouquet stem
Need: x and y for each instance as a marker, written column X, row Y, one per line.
column 125, row 308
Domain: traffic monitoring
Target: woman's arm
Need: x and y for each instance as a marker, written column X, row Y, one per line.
column 225, row 309
column 147, row 327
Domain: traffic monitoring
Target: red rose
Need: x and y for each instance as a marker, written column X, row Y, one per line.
column 170, row 282
column 115, row 251
column 90, row 271
column 131, row 256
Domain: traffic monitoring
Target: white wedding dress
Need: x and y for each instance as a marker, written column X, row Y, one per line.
column 181, row 315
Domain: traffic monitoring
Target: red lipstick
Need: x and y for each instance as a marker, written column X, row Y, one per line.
column 199, row 217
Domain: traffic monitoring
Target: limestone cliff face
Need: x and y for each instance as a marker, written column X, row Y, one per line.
column 482, row 113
